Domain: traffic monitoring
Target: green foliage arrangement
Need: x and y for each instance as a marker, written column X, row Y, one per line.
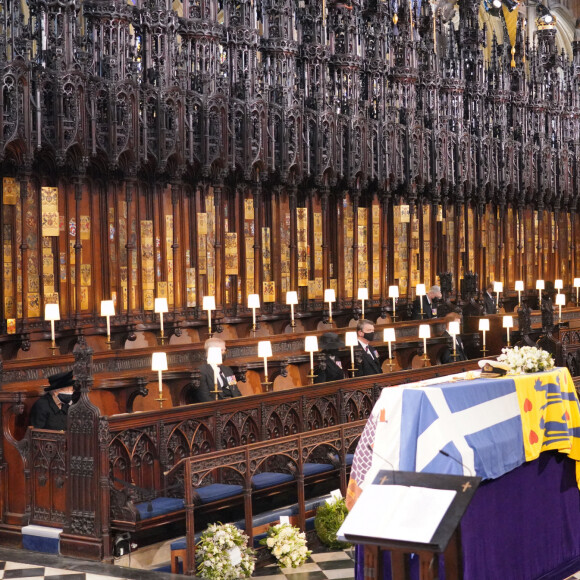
column 329, row 518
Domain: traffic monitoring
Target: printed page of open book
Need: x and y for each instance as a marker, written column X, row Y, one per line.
column 397, row 512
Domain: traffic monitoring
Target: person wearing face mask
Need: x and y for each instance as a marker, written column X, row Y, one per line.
column 226, row 379
column 370, row 364
column 50, row 411
column 330, row 343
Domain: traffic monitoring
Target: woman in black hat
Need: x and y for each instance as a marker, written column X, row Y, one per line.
column 50, row 411
column 330, row 344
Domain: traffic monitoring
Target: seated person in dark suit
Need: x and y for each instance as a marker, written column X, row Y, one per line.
column 226, row 379
column 330, row 344
column 489, row 306
column 447, row 354
column 369, row 357
column 50, row 411
column 429, row 307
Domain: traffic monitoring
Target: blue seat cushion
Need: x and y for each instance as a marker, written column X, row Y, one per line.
column 180, row 543
column 349, row 458
column 314, row 468
column 269, row 479
column 217, row 491
column 159, row 506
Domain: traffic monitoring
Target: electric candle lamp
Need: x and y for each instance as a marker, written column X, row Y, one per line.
column 160, row 308
column 484, row 327
column 558, row 284
column 214, row 358
column 519, row 287
column 159, row 364
column 330, row 297
column 108, row 310
column 498, row 289
column 454, row 331
column 508, row 322
column 292, row 300
column 420, row 291
column 539, row 287
column 577, row 286
column 253, row 303
column 311, row 346
column 264, row 351
column 560, row 301
column 389, row 337
column 350, row 339
column 52, row 313
column 363, row 294
column 209, row 305
column 394, row 294
column 425, row 333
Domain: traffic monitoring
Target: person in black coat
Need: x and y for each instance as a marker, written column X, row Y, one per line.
column 367, row 356
column 489, row 306
column 447, row 353
column 50, row 411
column 429, row 308
column 227, row 384
column 330, row 344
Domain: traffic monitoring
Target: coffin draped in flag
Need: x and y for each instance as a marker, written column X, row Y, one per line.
column 485, row 427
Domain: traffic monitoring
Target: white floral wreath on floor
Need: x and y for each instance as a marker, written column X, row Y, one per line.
column 223, row 553
column 287, row 544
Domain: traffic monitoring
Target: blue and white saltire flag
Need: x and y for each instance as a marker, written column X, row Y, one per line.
column 476, row 424
column 483, row 427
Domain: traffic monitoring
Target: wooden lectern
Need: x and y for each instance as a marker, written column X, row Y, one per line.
column 446, row 539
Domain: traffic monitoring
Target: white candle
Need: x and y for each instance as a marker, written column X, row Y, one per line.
column 351, row 340
column 363, row 294
column 539, row 288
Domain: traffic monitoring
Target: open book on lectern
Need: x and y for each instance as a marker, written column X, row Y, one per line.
column 420, row 509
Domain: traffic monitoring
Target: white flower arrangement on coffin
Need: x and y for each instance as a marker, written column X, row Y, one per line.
column 287, row 544
column 527, row 359
column 223, row 553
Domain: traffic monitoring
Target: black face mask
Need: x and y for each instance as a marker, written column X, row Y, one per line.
column 369, row 336
column 224, row 356
column 65, row 398
column 332, row 352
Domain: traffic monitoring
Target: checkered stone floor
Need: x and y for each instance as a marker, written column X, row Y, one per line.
column 325, row 565
column 320, row 566
column 21, row 570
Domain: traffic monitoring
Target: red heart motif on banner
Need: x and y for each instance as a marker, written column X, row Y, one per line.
column 533, row 437
column 527, row 405
column 567, row 416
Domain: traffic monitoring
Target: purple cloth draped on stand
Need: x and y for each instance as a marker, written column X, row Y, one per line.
column 524, row 525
